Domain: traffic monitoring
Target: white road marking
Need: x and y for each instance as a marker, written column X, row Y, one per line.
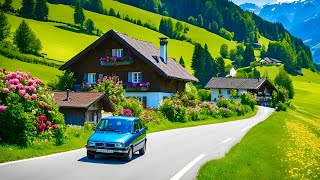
column 226, row 140
column 189, row 166
column 40, row 157
column 246, row 128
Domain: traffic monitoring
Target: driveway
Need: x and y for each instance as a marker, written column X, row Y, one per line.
column 174, row 154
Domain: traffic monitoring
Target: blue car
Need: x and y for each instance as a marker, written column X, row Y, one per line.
column 117, row 136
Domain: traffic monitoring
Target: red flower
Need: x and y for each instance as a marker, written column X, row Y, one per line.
column 42, row 127
column 48, row 123
column 3, row 108
column 54, row 126
column 42, row 118
column 34, row 96
column 5, row 90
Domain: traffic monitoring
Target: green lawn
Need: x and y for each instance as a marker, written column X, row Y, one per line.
column 285, row 146
column 45, row 73
column 77, row 138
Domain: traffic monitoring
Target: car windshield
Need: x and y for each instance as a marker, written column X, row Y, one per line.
column 116, row 125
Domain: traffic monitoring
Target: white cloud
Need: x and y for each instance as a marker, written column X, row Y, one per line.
column 281, row 1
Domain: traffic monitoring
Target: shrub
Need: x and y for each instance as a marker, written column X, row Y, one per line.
column 281, row 106
column 195, row 114
column 225, row 103
column 27, row 110
column 173, row 109
column 113, row 88
column 66, row 81
column 248, row 99
column 204, row 95
column 132, row 104
column 226, row 112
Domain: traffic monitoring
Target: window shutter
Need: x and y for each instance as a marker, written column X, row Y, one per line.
column 114, row 52
column 129, row 76
column 144, row 100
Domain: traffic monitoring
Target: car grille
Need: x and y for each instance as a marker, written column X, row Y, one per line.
column 108, row 145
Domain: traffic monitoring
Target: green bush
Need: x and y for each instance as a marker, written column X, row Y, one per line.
column 134, row 105
column 225, row 103
column 173, row 109
column 196, row 114
column 204, row 94
column 28, row 111
column 226, row 112
column 281, row 107
column 248, row 99
column 66, row 81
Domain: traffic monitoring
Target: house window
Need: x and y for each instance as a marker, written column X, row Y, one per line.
column 91, row 78
column 117, row 52
column 220, row 91
column 100, row 76
column 93, row 116
column 229, row 91
column 135, row 77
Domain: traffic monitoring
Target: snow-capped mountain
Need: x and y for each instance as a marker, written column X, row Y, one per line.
column 251, row 7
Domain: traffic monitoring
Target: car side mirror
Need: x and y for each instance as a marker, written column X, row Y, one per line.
column 94, row 128
column 136, row 131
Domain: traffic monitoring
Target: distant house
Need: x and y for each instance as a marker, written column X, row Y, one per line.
column 262, row 88
column 256, row 45
column 81, row 107
column 272, row 61
column 147, row 72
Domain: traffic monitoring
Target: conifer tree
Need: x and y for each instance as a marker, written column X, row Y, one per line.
column 41, row 10
column 25, row 39
column 221, row 67
column 4, row 26
column 181, row 62
column 224, row 50
column 27, row 9
column 248, row 56
column 78, row 16
column 7, row 5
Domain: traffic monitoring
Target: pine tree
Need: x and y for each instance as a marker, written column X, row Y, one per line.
column 248, row 56
column 41, row 10
column 198, row 63
column 4, row 26
column 89, row 25
column 221, row 67
column 210, row 67
column 25, row 39
column 224, row 50
column 27, row 9
column 7, row 5
column 181, row 62
column 78, row 16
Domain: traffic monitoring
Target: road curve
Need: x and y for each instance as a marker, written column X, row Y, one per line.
column 174, row 154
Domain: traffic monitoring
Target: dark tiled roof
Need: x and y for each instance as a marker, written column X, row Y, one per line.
column 271, row 60
column 235, row 83
column 80, row 99
column 147, row 52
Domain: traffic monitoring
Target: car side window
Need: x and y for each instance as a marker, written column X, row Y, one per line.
column 141, row 126
column 136, row 126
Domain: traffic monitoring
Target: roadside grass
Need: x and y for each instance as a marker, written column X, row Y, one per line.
column 76, row 138
column 45, row 73
column 167, row 125
column 285, row 146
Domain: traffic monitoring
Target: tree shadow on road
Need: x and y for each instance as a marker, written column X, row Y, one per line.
column 103, row 159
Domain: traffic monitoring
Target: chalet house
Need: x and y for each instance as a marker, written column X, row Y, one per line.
column 81, row 107
column 262, row 88
column 256, row 45
column 272, row 61
column 147, row 72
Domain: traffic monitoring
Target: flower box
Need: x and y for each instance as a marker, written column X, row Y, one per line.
column 115, row 61
column 142, row 86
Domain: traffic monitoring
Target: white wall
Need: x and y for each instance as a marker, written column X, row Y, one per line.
column 225, row 94
column 154, row 99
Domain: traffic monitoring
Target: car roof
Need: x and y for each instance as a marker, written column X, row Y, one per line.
column 128, row 118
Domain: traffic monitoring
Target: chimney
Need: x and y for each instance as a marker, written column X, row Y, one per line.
column 163, row 49
column 68, row 95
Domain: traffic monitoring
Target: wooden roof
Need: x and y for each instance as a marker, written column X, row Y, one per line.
column 236, row 83
column 82, row 100
column 144, row 50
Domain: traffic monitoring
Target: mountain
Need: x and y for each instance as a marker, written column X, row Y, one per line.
column 251, row 7
column 301, row 18
column 257, row 2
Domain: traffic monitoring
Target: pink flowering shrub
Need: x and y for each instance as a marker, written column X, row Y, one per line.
column 27, row 110
column 127, row 112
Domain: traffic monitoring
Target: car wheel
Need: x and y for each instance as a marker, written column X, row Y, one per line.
column 142, row 151
column 90, row 155
column 129, row 155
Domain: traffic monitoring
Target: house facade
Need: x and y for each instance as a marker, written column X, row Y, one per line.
column 222, row 87
column 81, row 107
column 147, row 73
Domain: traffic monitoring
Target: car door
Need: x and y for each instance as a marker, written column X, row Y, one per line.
column 138, row 136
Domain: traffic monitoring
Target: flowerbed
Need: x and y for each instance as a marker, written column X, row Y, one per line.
column 27, row 110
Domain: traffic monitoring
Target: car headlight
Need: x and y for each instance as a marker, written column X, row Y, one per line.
column 119, row 145
column 91, row 143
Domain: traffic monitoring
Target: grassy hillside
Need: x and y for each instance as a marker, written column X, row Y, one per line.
column 295, row 154
column 45, row 73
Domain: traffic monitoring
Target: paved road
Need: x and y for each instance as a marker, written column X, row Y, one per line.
column 174, row 154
